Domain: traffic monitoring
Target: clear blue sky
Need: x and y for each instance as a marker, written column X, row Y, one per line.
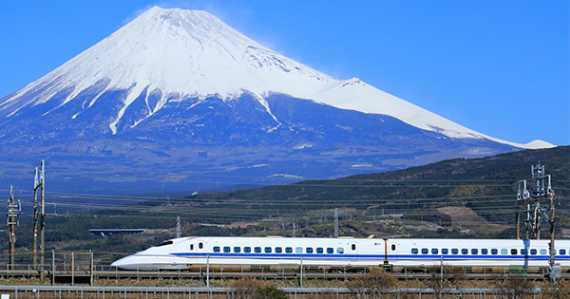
column 498, row 67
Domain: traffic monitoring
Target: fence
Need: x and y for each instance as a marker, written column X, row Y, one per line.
column 21, row 292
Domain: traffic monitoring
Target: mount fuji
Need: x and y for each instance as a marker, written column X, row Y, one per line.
column 179, row 100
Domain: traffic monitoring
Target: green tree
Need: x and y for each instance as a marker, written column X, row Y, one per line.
column 270, row 292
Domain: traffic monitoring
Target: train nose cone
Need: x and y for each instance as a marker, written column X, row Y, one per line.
column 122, row 263
column 116, row 263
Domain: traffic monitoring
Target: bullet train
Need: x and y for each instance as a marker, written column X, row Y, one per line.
column 322, row 254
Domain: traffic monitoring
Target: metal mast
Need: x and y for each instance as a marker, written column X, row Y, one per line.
column 13, row 220
column 530, row 202
column 36, row 218
column 42, row 222
column 336, row 222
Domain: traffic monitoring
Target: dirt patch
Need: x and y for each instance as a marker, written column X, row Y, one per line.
column 242, row 224
column 462, row 215
column 467, row 218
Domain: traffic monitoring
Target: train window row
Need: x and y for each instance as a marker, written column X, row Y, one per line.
column 484, row 251
column 247, row 249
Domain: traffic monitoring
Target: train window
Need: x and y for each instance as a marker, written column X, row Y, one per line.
column 464, row 251
column 298, row 249
column 444, row 251
column 288, row 250
column 330, row 250
column 393, row 247
column 524, row 252
column 201, row 245
column 434, row 251
column 533, row 252
column 542, row 251
column 278, row 249
column 494, row 251
column 562, row 251
column 216, row 248
column 320, row 250
column 191, row 246
column 309, row 249
column 227, row 249
column 237, row 249
column 164, row 243
column 267, row 249
column 414, row 251
column 504, row 251
column 425, row 251
column 474, row 251
column 353, row 247
column 257, row 249
column 514, row 252
column 340, row 250
column 454, row 251
column 484, row 251
column 247, row 249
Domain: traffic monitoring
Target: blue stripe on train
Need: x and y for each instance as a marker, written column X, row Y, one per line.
column 350, row 257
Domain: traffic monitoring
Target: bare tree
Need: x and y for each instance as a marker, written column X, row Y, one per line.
column 372, row 284
column 325, row 295
column 516, row 287
column 245, row 288
column 442, row 277
column 558, row 290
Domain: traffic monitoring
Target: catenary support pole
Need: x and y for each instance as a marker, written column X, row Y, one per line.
column 12, row 227
column 42, row 224
column 552, row 231
column 36, row 213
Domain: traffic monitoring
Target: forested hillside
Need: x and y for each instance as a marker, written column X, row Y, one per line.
column 473, row 198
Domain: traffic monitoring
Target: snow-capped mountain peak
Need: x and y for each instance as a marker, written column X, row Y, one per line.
column 179, row 54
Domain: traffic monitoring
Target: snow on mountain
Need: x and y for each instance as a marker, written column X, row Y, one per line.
column 184, row 54
column 356, row 95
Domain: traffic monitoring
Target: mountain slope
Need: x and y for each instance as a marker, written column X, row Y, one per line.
column 186, row 99
column 173, row 54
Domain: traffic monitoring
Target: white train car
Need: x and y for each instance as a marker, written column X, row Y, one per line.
column 274, row 253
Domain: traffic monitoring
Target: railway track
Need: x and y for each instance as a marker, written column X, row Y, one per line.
column 82, row 276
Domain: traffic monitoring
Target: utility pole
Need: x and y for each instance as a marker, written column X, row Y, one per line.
column 530, row 202
column 42, row 222
column 177, row 226
column 13, row 220
column 294, row 229
column 542, row 191
column 554, row 270
column 336, row 222
column 36, row 219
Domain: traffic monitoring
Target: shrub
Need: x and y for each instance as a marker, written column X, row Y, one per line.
column 270, row 292
column 245, row 288
column 371, row 284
